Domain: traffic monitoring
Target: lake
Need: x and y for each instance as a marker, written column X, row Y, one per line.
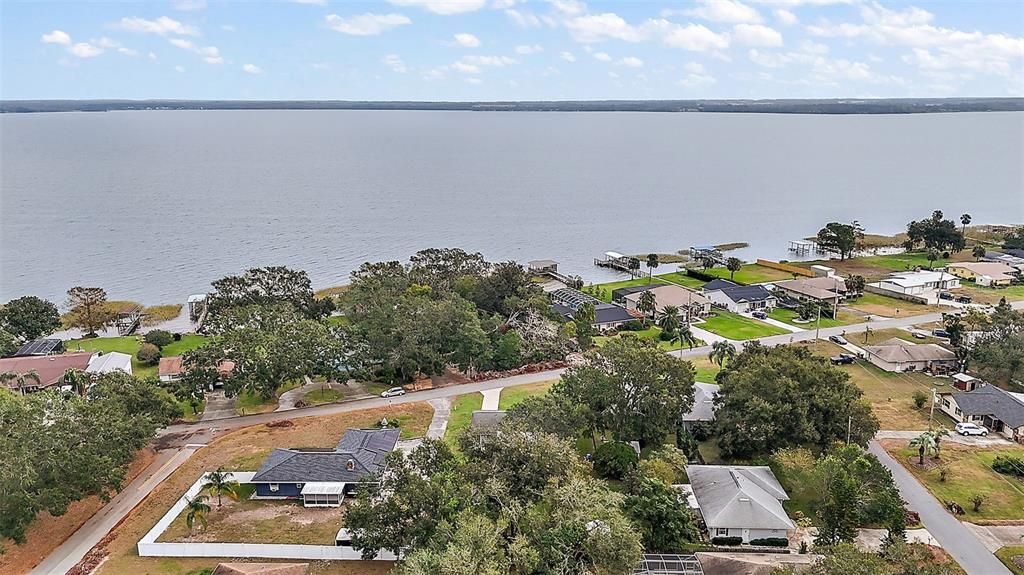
column 153, row 205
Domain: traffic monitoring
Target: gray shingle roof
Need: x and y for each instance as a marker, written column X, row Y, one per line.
column 717, row 284
column 364, row 448
column 741, row 294
column 703, row 402
column 611, row 313
column 991, row 400
column 739, row 496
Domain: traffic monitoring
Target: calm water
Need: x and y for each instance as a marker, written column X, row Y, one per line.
column 154, row 205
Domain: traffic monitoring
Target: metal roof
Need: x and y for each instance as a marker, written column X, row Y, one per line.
column 322, row 488
column 659, row 564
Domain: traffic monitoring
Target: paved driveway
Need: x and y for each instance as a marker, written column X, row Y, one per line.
column 954, row 537
column 993, row 440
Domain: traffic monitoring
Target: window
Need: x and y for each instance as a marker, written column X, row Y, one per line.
column 945, row 401
column 273, row 488
column 722, row 531
column 958, row 412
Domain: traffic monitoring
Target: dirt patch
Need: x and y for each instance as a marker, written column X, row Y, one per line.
column 1018, row 560
column 929, row 463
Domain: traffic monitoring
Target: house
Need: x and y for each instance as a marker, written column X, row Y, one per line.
column 50, row 369
column 717, row 284
column 101, row 363
column 999, row 410
column 703, row 404
column 1014, row 261
column 40, row 347
column 919, row 285
column 170, row 368
column 566, row 301
column 994, row 274
column 740, row 501
column 828, row 290
column 896, row 355
column 323, row 477
column 741, row 299
column 691, row 305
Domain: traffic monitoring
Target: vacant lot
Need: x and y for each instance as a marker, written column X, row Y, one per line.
column 970, row 473
column 886, row 306
column 877, row 336
column 737, row 327
column 680, row 278
column 751, row 274
column 130, row 345
column 990, row 296
column 243, row 450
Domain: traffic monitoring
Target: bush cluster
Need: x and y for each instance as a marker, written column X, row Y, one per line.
column 771, row 542
column 723, row 540
column 1008, row 465
column 613, row 460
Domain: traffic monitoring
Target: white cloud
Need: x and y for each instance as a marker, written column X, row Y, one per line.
column 795, row 3
column 529, row 49
column 697, row 80
column 85, row 50
column 252, row 69
column 366, row 24
column 57, row 37
column 613, row 75
column 692, row 37
column 725, row 11
column 188, row 5
column 320, row 66
column 569, row 7
column 467, row 40
column 785, row 17
column 394, row 61
column 182, row 43
column 567, row 56
column 152, row 55
column 474, row 64
column 311, row 2
column 632, row 62
column 599, row 27
column 602, row 56
column 756, row 35
column 162, row 26
column 444, row 6
column 523, row 18
column 179, row 68
column 210, row 54
column 502, row 4
column 110, row 44
column 694, row 68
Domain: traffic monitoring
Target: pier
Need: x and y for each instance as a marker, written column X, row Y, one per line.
column 803, row 247
column 622, row 263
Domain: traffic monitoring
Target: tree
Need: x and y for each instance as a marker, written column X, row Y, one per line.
column 777, row 397
column 8, row 343
column 221, row 483
column 919, row 398
column 647, row 304
column 652, row 264
column 977, row 500
column 733, row 265
column 584, row 319
column 196, row 509
column 808, row 310
column 721, row 352
column 669, row 321
column 159, row 337
column 21, row 380
column 549, row 413
column 846, row 559
column 665, row 525
column 614, row 459
column 998, row 355
column 1014, row 239
column 935, row 233
column 444, row 268
column 267, row 286
column 965, row 220
column 978, row 252
column 88, row 309
column 925, row 443
column 840, row 238
column 707, row 262
column 932, row 256
column 855, row 284
column 29, row 318
column 684, row 335
column 631, row 388
column 954, row 326
column 148, row 354
column 79, row 381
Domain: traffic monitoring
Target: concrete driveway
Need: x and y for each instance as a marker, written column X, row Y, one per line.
column 218, row 406
column 992, row 440
column 995, row 537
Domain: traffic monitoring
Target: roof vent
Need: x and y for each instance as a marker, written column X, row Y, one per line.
column 745, row 499
column 350, row 464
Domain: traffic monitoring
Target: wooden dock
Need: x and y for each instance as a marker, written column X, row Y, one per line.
column 619, row 262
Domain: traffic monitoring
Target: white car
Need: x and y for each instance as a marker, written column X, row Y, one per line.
column 971, row 429
column 393, row 392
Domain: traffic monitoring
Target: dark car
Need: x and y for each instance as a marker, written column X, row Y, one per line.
column 842, row 359
column 940, row 333
column 760, row 315
column 963, row 299
column 945, row 295
column 838, row 339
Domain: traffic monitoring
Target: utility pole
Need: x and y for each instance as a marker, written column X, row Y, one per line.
column 849, row 428
column 817, row 324
column 931, row 412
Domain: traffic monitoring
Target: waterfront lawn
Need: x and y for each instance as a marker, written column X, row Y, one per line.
column 970, row 473
column 1006, row 555
column 680, row 278
column 902, row 262
column 885, row 306
column 604, row 291
column 789, row 316
column 511, row 396
column 461, row 416
column 751, row 274
column 737, row 327
column 130, row 345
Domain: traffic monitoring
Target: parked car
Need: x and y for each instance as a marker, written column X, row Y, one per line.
column 963, row 299
column 760, row 315
column 946, row 295
column 918, row 334
column 940, row 333
column 838, row 340
column 393, row 392
column 842, row 359
column 971, row 429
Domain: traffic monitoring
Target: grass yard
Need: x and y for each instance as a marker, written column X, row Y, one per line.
column 320, row 396
column 876, row 336
column 970, row 473
column 737, row 327
column 514, row 395
column 462, row 415
column 706, row 369
column 650, row 333
column 680, row 278
column 130, row 345
column 1006, row 555
column 789, row 316
column 243, row 450
column 886, row 306
column 751, row 274
column 248, row 403
column 604, row 291
column 980, row 294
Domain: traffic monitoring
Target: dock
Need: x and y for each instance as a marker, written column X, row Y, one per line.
column 622, row 263
column 803, row 247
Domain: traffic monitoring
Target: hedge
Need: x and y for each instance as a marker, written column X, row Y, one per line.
column 771, row 542
column 700, row 275
column 723, row 540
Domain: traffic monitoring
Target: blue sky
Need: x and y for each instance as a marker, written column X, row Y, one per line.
column 510, row 49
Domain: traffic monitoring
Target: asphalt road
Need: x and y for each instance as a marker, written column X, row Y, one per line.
column 954, row 537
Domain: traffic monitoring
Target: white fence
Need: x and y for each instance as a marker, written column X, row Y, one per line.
column 148, row 546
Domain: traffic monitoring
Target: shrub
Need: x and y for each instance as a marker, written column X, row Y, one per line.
column 148, row 354
column 1008, row 465
column 177, row 337
column 159, row 337
column 771, row 542
column 666, row 336
column 700, row 275
column 613, row 460
column 702, row 430
column 976, row 500
column 723, row 540
column 632, row 325
column 919, row 399
column 657, row 469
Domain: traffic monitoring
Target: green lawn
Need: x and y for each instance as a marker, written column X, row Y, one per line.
column 981, row 294
column 682, row 279
column 901, row 262
column 751, row 274
column 130, row 345
column 886, row 306
column 514, row 395
column 706, row 369
column 318, row 396
column 737, row 327
column 604, row 291
column 248, row 403
column 1006, row 555
column 789, row 316
column 461, row 415
column 652, row 333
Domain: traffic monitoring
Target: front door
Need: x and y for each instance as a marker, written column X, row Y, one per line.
column 746, row 535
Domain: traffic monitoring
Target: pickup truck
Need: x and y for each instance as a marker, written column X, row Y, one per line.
column 842, row 359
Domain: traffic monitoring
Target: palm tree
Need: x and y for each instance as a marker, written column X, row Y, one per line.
column 21, row 379
column 684, row 335
column 978, row 252
column 669, row 321
column 647, row 304
column 78, row 380
column 652, row 262
column 721, row 351
column 197, row 510
column 220, row 482
column 965, row 220
column 943, row 432
column 733, row 265
column 925, row 443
